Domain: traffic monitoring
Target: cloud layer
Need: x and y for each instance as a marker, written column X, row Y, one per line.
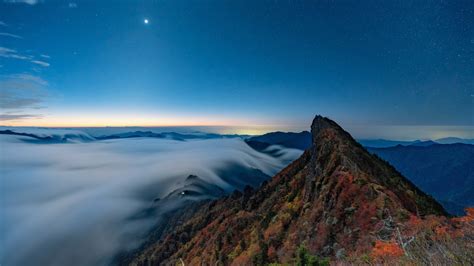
column 70, row 204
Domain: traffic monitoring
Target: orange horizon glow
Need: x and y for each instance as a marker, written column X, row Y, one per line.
column 238, row 126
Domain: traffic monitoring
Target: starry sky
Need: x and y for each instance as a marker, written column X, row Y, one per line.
column 369, row 65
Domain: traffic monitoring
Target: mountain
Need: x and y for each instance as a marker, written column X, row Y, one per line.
column 166, row 135
column 383, row 143
column 445, row 171
column 53, row 135
column 425, row 143
column 133, row 134
column 44, row 135
column 195, row 188
column 300, row 140
column 452, row 140
column 335, row 201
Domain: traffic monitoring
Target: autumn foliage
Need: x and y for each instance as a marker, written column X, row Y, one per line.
column 386, row 250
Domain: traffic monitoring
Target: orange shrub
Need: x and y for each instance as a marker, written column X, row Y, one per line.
column 468, row 218
column 386, row 250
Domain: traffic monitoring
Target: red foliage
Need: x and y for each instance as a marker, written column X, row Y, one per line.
column 414, row 221
column 271, row 253
column 386, row 250
column 468, row 218
column 441, row 231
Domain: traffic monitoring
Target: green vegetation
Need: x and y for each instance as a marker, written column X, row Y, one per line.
column 303, row 258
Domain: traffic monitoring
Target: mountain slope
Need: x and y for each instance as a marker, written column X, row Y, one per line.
column 445, row 171
column 336, row 199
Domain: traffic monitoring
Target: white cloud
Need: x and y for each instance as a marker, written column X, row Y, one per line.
column 10, row 35
column 3, row 24
column 21, row 94
column 11, row 53
column 32, row 78
column 29, row 2
column 41, row 63
column 16, row 117
column 72, row 5
column 45, row 56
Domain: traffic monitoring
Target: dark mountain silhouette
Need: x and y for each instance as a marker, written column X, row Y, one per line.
column 300, row 140
column 453, row 140
column 164, row 135
column 336, row 199
column 423, row 143
column 383, row 143
column 445, row 171
column 50, row 139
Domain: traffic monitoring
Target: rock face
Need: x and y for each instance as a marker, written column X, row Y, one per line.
column 336, row 199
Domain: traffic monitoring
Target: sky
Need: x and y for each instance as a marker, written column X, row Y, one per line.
column 375, row 66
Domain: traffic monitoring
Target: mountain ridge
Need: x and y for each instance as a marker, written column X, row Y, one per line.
column 333, row 199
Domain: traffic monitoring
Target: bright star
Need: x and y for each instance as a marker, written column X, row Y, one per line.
column 146, row 21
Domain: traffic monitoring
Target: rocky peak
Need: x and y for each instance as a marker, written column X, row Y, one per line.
column 321, row 124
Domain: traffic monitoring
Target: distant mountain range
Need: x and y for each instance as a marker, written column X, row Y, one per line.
column 452, row 140
column 48, row 135
column 383, row 143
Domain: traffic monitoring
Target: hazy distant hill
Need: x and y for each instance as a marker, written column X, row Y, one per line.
column 445, row 171
column 383, row 143
column 452, row 140
column 300, row 140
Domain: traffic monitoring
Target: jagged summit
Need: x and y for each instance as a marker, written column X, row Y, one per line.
column 335, row 151
column 334, row 199
column 320, row 123
column 324, row 129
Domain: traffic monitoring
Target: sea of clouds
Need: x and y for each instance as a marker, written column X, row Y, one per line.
column 72, row 203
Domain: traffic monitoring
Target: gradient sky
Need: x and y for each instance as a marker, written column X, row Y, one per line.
column 239, row 63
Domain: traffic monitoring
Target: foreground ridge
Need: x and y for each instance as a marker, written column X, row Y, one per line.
column 336, row 201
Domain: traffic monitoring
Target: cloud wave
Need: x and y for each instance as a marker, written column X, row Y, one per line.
column 70, row 204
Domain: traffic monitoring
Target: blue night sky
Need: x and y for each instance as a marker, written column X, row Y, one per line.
column 273, row 64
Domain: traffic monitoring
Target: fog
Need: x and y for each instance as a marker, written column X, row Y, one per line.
column 72, row 203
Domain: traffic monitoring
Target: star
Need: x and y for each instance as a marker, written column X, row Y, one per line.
column 146, row 21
